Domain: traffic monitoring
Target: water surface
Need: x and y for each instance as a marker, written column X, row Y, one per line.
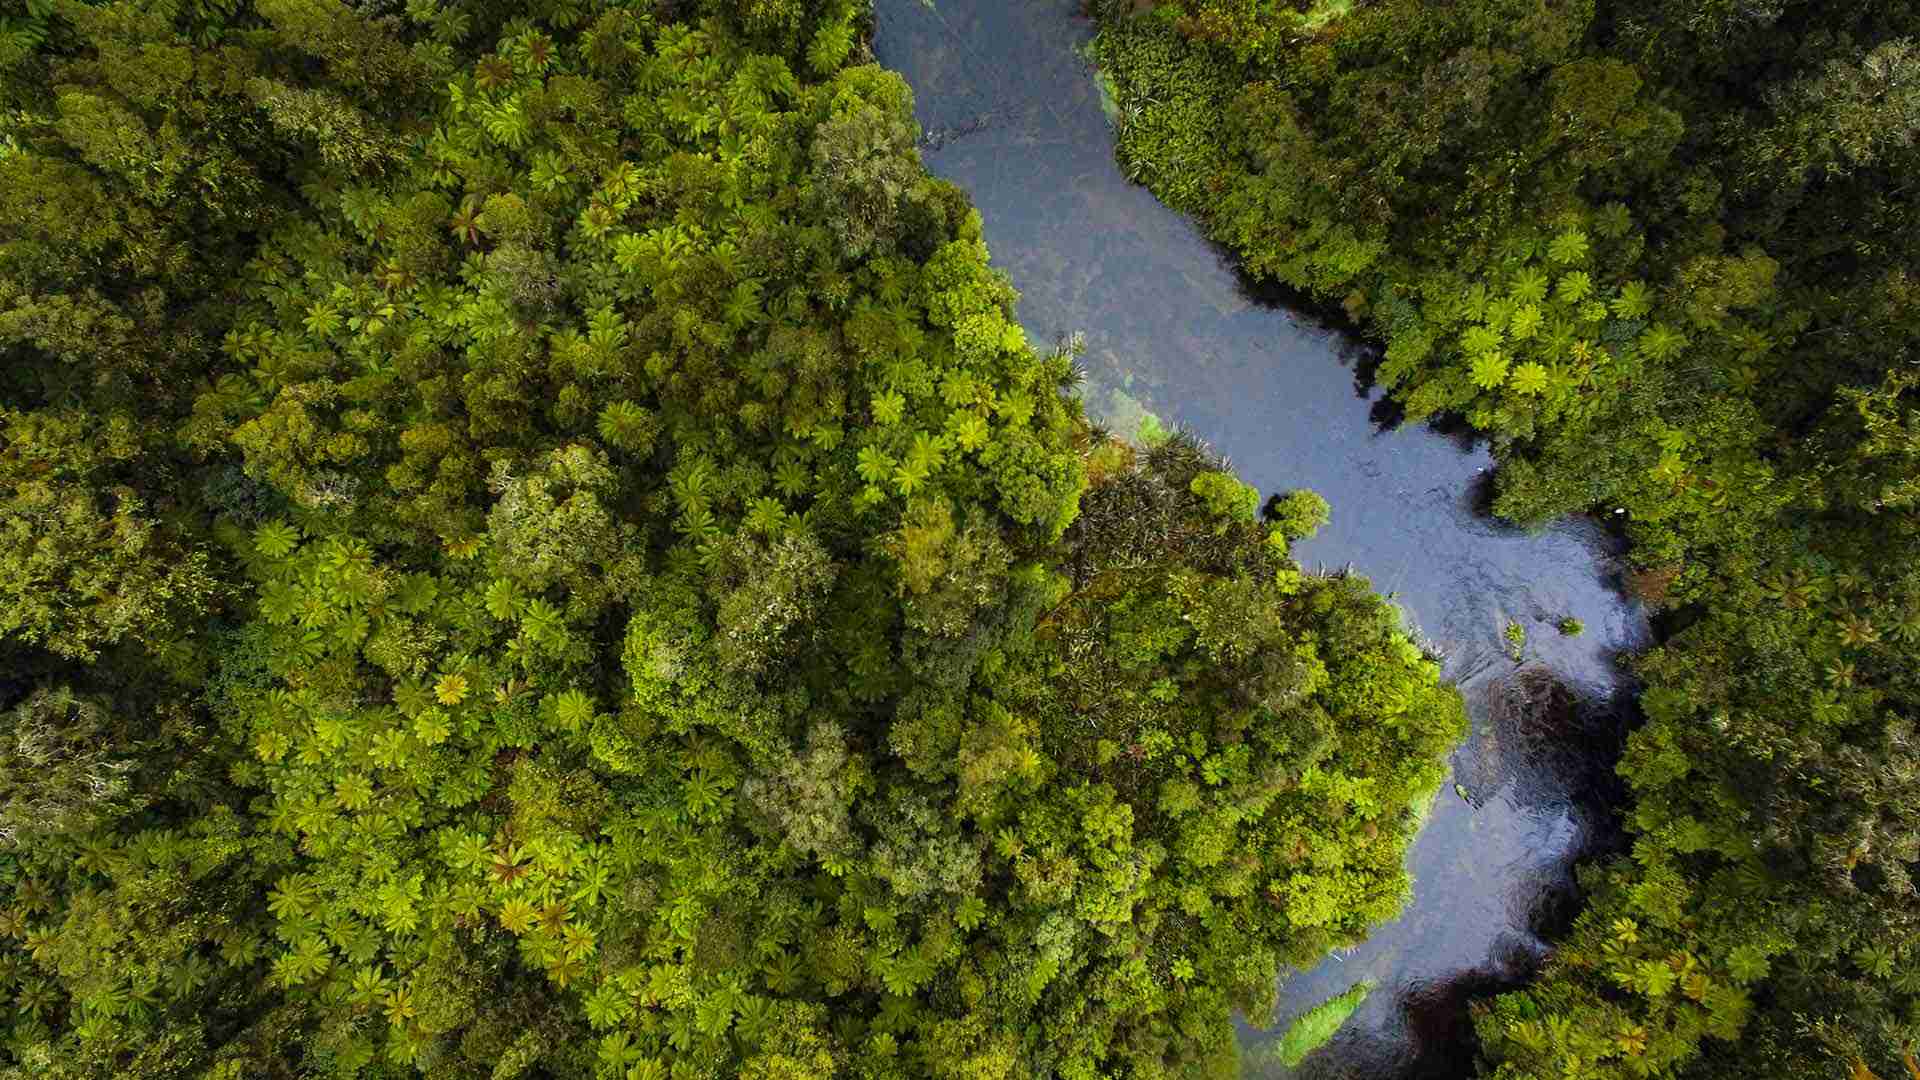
column 1012, row 114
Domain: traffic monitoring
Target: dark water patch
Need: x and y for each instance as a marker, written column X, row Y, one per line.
column 1433, row 1035
column 1171, row 328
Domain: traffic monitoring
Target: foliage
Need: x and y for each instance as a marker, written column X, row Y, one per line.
column 87, row 562
column 64, row 770
column 1516, row 639
column 1317, row 1026
column 1659, row 255
column 537, row 547
column 1299, row 514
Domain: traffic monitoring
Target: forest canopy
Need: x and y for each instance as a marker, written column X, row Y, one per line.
column 1660, row 255
column 533, row 544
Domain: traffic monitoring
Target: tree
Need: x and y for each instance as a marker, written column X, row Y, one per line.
column 866, row 171
column 87, row 564
column 65, row 768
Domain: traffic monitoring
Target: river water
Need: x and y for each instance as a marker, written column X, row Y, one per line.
column 1013, row 114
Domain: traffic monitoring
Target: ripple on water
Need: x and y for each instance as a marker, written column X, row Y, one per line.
column 1013, row 115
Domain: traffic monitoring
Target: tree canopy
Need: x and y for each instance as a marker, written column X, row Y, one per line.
column 535, row 545
column 1659, row 254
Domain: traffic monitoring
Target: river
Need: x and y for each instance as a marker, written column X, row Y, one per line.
column 1012, row 113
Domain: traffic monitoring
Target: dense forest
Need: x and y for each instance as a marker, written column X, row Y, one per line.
column 1659, row 254
column 532, row 544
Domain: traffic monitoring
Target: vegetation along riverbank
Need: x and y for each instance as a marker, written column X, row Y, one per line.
column 1660, row 255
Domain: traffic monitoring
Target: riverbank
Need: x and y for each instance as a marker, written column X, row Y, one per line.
column 1170, row 328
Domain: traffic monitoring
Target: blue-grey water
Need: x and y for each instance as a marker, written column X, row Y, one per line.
column 1012, row 113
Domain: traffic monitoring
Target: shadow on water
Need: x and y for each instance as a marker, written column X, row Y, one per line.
column 1013, row 114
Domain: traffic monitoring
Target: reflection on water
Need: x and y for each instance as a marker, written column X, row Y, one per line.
column 1012, row 113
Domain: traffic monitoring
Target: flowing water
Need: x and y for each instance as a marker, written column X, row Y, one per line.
column 1012, row 113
